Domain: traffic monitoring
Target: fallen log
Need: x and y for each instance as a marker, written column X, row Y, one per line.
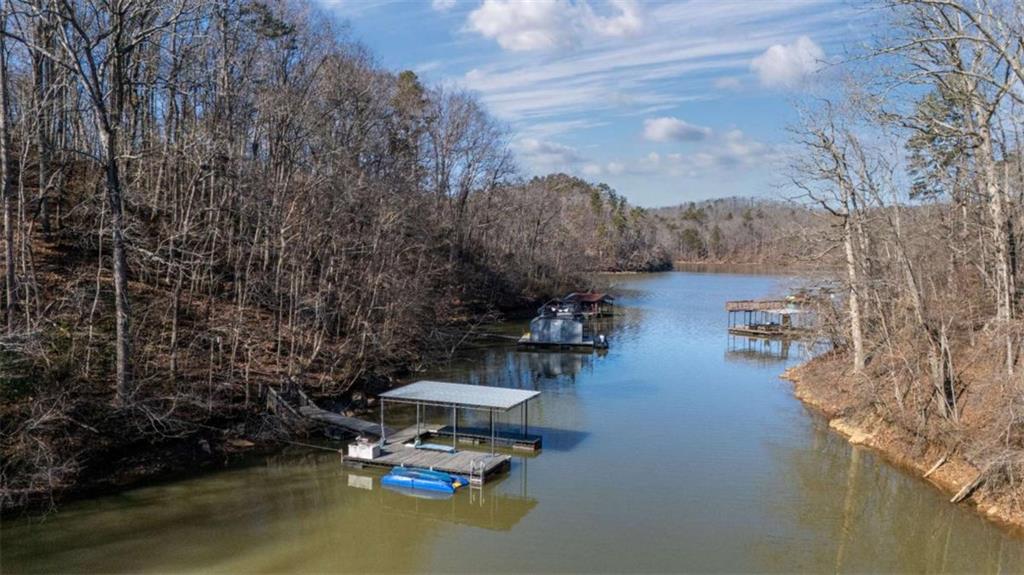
column 969, row 488
column 937, row 465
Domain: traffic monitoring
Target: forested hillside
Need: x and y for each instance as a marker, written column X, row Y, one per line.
column 563, row 223
column 743, row 230
column 203, row 199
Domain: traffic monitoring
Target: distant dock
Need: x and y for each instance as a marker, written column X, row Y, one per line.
column 768, row 318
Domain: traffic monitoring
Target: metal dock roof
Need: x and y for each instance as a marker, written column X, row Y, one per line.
column 460, row 395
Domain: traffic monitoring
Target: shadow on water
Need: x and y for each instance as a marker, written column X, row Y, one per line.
column 758, row 350
column 765, row 351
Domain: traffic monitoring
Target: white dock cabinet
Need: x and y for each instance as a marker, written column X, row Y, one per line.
column 364, row 450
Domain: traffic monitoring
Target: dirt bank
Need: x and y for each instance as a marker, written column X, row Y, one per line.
column 825, row 386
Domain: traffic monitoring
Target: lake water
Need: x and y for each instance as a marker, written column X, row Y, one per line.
column 677, row 450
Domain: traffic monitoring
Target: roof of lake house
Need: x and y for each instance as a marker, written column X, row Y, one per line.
column 589, row 297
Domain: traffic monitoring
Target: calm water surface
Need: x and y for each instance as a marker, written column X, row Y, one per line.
column 678, row 450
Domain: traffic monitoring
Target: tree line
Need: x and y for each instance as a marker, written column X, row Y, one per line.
column 917, row 160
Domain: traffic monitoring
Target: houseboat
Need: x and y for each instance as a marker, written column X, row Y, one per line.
column 554, row 331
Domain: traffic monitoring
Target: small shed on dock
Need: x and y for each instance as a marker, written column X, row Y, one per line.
column 457, row 396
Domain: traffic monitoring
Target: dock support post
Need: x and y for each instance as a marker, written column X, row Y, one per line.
column 455, row 425
column 383, row 434
column 491, row 411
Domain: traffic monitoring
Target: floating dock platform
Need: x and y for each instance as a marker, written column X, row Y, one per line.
column 395, row 453
column 584, row 344
column 769, row 330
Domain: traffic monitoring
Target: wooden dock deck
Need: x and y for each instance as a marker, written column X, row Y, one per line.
column 774, row 331
column 480, row 435
column 396, row 454
column 587, row 344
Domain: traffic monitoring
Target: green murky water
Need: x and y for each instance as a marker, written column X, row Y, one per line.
column 678, row 450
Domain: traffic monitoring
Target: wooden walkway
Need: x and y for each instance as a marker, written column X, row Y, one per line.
column 396, row 454
column 352, row 424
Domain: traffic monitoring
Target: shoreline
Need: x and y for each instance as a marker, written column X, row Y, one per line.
column 932, row 464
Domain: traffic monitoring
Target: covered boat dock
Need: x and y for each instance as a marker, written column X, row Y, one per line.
column 457, row 396
column 406, row 448
column 767, row 318
column 592, row 304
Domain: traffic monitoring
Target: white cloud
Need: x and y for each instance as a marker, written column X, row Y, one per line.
column 442, row 5
column 524, row 25
column 667, row 129
column 788, row 65
column 545, row 154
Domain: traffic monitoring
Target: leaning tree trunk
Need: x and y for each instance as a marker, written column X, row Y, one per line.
column 853, row 276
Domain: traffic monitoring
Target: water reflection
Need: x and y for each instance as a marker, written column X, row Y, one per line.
column 770, row 351
column 855, row 513
column 476, row 507
column 502, row 367
column 759, row 350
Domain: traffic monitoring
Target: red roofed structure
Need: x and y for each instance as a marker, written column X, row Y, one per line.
column 591, row 303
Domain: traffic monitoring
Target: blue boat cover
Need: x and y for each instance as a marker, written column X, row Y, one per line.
column 426, row 479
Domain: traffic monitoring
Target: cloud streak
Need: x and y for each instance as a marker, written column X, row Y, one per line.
column 674, row 57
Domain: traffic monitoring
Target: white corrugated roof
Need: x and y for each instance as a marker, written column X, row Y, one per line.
column 460, row 394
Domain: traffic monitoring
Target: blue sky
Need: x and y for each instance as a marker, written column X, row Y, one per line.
column 666, row 102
